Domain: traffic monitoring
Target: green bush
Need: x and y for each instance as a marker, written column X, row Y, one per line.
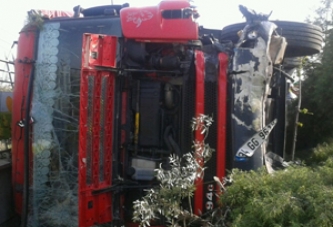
column 5, row 125
column 170, row 202
column 296, row 196
column 321, row 154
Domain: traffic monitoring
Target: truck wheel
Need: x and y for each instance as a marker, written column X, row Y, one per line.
column 291, row 63
column 303, row 39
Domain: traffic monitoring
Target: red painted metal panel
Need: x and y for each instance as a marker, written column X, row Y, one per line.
column 23, row 66
column 199, row 109
column 99, row 50
column 95, row 208
column 158, row 23
column 96, row 130
column 222, row 115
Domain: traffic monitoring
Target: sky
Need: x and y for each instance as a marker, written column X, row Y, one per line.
column 213, row 13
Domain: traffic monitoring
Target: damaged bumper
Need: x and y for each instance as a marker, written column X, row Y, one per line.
column 255, row 54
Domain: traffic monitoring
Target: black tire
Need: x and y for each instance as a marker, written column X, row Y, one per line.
column 291, row 63
column 303, row 39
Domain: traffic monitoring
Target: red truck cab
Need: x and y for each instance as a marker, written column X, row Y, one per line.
column 103, row 100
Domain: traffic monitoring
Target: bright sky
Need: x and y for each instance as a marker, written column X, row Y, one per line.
column 214, row 13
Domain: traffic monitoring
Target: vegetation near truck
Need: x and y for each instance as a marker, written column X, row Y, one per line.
column 128, row 116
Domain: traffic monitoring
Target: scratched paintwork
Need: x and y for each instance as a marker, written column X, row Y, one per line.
column 253, row 78
column 250, row 78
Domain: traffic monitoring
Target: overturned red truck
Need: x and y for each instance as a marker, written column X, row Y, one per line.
column 103, row 99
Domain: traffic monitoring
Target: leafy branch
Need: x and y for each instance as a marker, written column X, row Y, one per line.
column 176, row 185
